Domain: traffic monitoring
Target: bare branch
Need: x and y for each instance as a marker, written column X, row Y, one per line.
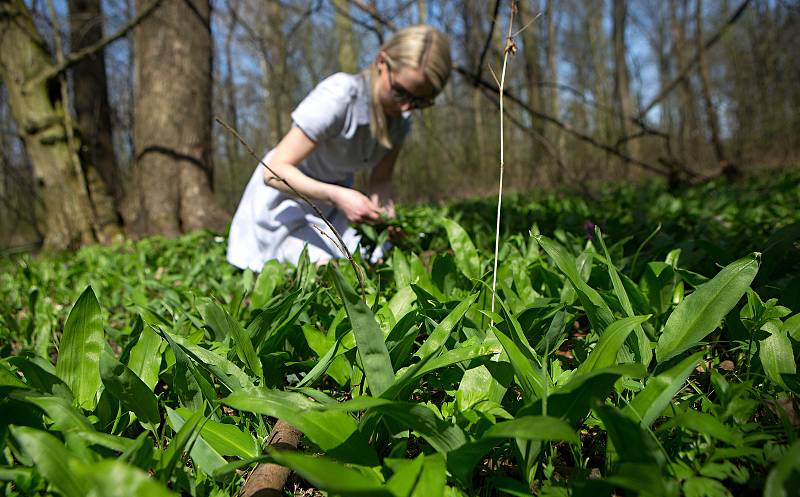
column 75, row 57
column 695, row 59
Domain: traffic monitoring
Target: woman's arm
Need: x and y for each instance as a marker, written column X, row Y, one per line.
column 292, row 149
column 381, row 187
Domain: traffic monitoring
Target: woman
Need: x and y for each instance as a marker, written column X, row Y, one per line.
column 348, row 123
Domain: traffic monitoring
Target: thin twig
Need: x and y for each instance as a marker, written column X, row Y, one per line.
column 510, row 48
column 342, row 246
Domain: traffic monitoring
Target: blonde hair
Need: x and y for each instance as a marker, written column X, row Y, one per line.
column 417, row 47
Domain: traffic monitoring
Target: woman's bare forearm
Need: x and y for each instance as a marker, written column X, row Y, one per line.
column 301, row 182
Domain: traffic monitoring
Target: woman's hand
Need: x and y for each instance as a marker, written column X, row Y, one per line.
column 356, row 206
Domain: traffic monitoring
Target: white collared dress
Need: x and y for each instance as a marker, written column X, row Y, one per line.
column 270, row 224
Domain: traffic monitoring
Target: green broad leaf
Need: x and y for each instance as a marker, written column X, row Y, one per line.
column 658, row 283
column 145, row 358
column 129, row 389
column 455, row 356
column 227, row 372
column 331, row 476
column 598, row 312
column 792, row 327
column 607, row 348
column 116, row 479
column 641, row 348
column 442, row 435
column 573, row 401
column 534, row 428
column 225, row 325
column 401, row 269
column 189, row 384
column 53, row 461
column 79, row 352
column 41, row 375
column 642, row 478
column 225, row 439
column 270, row 277
column 322, row 365
column 112, row 442
column 630, row 441
column 784, row 477
column 404, row 480
column 182, row 441
column 466, row 255
column 442, row 330
column 701, row 312
column 648, row 404
column 461, row 461
column 777, row 357
column 698, row 486
column 529, row 376
column 369, row 338
column 204, row 456
column 9, row 379
column 65, row 417
column 336, row 433
column 706, row 424
column 431, row 481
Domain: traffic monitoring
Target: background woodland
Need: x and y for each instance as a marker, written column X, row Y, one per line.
column 107, row 106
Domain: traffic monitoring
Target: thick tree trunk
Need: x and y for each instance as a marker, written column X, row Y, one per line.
column 93, row 117
column 69, row 219
column 172, row 177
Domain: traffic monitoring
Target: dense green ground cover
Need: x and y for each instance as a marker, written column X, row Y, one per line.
column 642, row 343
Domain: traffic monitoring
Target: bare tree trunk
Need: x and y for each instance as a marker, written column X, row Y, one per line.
column 688, row 119
column 728, row 169
column 348, row 56
column 39, row 112
column 555, row 103
column 276, row 73
column 422, row 11
column 172, row 174
column 93, row 116
column 623, row 103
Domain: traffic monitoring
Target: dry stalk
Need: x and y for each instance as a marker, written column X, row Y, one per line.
column 510, row 48
column 340, row 245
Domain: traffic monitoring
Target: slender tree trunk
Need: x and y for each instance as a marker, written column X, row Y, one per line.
column 172, row 131
column 728, row 169
column 688, row 119
column 93, row 117
column 555, row 102
column 623, row 103
column 348, row 55
column 275, row 74
column 69, row 219
column 422, row 11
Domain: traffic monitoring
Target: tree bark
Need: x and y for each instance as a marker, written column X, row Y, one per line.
column 348, row 56
column 172, row 171
column 555, row 102
column 93, row 117
column 728, row 169
column 38, row 109
column 623, row 104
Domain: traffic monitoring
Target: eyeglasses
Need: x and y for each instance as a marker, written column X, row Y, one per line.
column 403, row 96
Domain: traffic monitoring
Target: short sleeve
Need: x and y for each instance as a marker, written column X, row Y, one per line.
column 324, row 112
